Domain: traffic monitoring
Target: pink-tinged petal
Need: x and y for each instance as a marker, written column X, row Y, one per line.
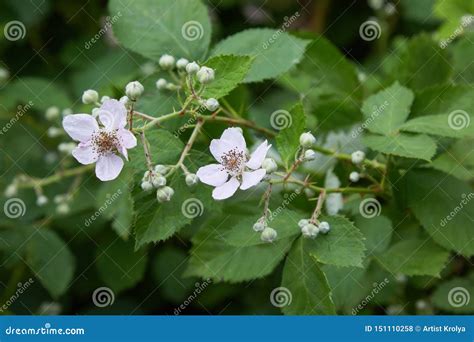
column 252, row 178
column 258, row 156
column 84, row 154
column 127, row 138
column 80, row 127
column 113, row 114
column 212, row 174
column 226, row 190
column 108, row 167
column 235, row 138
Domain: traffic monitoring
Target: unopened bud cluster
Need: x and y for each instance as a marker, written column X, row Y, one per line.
column 307, row 140
column 155, row 179
column 267, row 234
column 310, row 229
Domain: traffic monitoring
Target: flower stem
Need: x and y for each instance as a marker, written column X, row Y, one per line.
column 189, row 144
column 319, row 206
column 344, row 156
column 146, row 150
column 40, row 182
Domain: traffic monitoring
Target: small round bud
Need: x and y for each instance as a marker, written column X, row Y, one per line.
column 95, row 112
column 161, row 169
column 309, row 192
column 90, row 96
column 191, row 179
column 52, row 113
column 167, row 62
column 303, row 222
column 171, row 86
column 59, row 199
column 211, row 104
column 134, row 90
column 66, row 148
column 357, row 157
column 66, row 112
column 421, row 304
column 125, row 100
column 205, row 75
column 260, row 225
column 63, row 209
column 182, row 63
column 41, row 200
column 147, row 175
column 4, row 74
column 310, row 231
column 161, row 84
column 148, row 68
column 269, row 235
column 269, row 165
column 104, row 98
column 354, row 177
column 11, row 190
column 54, row 132
column 192, row 68
column 307, row 139
column 146, row 186
column 309, row 155
column 324, row 227
column 164, row 194
column 158, row 181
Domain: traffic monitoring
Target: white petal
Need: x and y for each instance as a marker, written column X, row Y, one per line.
column 234, row 137
column 258, row 156
column 80, row 126
column 212, row 174
column 113, row 114
column 84, row 154
column 127, row 138
column 108, row 167
column 220, row 147
column 252, row 178
column 226, row 190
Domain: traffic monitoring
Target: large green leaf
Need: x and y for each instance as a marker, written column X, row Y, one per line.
column 452, row 12
column 445, row 207
column 51, row 261
column 458, row 160
column 306, row 286
column 455, row 125
column 403, row 145
column 288, row 139
column 156, row 27
column 230, row 72
column 342, row 246
column 415, row 257
column 455, row 295
column 377, row 232
column 275, row 52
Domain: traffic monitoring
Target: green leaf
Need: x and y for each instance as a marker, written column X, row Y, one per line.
column 452, row 12
column 230, row 72
column 446, row 125
column 445, row 207
column 288, row 140
column 458, row 160
column 211, row 257
column 415, row 257
column 377, row 232
column 156, row 27
column 275, row 52
column 342, row 246
column 463, row 50
column 51, row 261
column 305, row 283
column 388, row 109
column 403, row 145
column 119, row 266
column 455, row 295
